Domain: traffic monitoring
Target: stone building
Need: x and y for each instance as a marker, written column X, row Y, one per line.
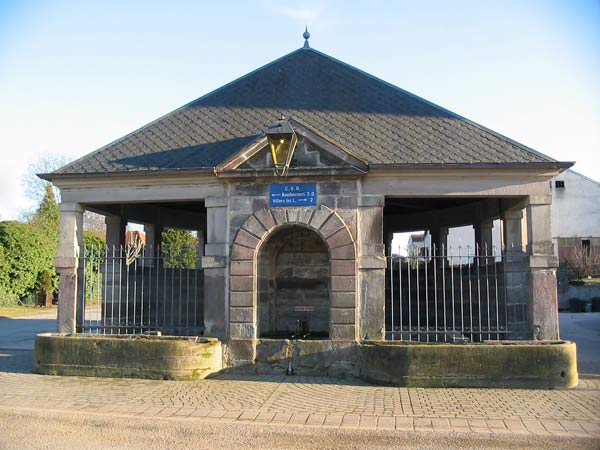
column 303, row 250
column 575, row 213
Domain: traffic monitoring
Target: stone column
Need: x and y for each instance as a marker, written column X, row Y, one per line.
column 513, row 241
column 439, row 238
column 515, row 275
column 70, row 240
column 371, row 268
column 543, row 306
column 115, row 231
column 200, row 244
column 216, row 300
column 150, row 231
column 483, row 236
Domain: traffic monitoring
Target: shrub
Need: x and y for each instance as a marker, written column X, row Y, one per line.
column 179, row 249
column 95, row 247
column 7, row 298
column 27, row 251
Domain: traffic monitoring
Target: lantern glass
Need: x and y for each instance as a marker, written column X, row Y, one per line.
column 282, row 141
column 280, row 145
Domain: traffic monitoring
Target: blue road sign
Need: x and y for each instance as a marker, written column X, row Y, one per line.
column 293, row 194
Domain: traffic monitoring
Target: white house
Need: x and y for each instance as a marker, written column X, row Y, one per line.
column 575, row 212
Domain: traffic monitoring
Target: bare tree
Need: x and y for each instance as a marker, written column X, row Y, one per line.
column 35, row 188
column 94, row 222
column 584, row 261
column 33, row 185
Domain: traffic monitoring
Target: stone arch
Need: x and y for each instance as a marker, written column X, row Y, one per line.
column 243, row 277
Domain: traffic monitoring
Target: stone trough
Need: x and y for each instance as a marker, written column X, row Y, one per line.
column 498, row 364
column 133, row 356
column 505, row 364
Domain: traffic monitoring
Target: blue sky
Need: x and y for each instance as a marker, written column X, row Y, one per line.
column 75, row 75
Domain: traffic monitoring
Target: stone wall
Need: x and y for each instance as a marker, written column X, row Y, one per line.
column 293, row 285
column 251, row 234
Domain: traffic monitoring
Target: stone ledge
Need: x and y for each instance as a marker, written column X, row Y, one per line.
column 154, row 357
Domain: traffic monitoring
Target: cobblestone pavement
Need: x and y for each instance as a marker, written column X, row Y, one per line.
column 309, row 401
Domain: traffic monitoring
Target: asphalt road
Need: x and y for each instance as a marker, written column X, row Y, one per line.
column 27, row 428
column 19, row 333
column 584, row 330
column 98, row 432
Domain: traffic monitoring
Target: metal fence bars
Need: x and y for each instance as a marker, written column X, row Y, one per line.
column 462, row 294
column 137, row 289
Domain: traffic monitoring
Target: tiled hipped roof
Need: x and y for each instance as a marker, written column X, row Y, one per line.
column 373, row 120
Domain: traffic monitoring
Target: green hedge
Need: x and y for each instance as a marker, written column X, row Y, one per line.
column 26, row 251
column 95, row 247
column 179, row 249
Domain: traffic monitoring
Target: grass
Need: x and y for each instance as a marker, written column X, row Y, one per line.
column 21, row 311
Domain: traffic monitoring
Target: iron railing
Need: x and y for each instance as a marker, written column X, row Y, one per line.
column 462, row 294
column 140, row 289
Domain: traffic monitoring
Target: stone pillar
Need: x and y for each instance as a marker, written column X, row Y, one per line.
column 439, row 238
column 371, row 268
column 216, row 300
column 512, row 238
column 115, row 231
column 515, row 275
column 150, row 231
column 543, row 306
column 200, row 243
column 70, row 240
column 483, row 236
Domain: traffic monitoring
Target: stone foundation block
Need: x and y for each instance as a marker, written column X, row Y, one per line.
column 242, row 331
column 241, row 315
column 241, row 299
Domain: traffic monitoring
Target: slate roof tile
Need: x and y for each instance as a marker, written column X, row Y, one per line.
column 373, row 120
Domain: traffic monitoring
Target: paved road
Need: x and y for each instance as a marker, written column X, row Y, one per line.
column 283, row 412
column 584, row 329
column 19, row 333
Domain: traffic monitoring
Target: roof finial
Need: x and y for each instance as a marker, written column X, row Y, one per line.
column 306, row 35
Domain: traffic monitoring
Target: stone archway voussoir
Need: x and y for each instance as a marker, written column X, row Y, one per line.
column 254, row 227
column 331, row 225
column 265, row 218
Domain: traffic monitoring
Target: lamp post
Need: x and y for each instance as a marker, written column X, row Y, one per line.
column 282, row 141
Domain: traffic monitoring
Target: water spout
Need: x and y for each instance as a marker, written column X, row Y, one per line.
column 289, row 350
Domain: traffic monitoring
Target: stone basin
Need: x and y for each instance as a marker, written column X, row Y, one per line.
column 498, row 364
column 127, row 356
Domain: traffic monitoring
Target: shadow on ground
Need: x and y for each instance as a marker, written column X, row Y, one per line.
column 16, row 361
column 282, row 378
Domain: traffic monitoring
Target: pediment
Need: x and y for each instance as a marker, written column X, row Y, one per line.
column 314, row 154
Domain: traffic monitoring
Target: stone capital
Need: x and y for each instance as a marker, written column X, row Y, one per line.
column 539, row 200
column 542, row 262
column 70, row 207
column 213, row 262
column 215, row 202
column 372, row 262
column 516, row 214
column 65, row 264
column 371, row 200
